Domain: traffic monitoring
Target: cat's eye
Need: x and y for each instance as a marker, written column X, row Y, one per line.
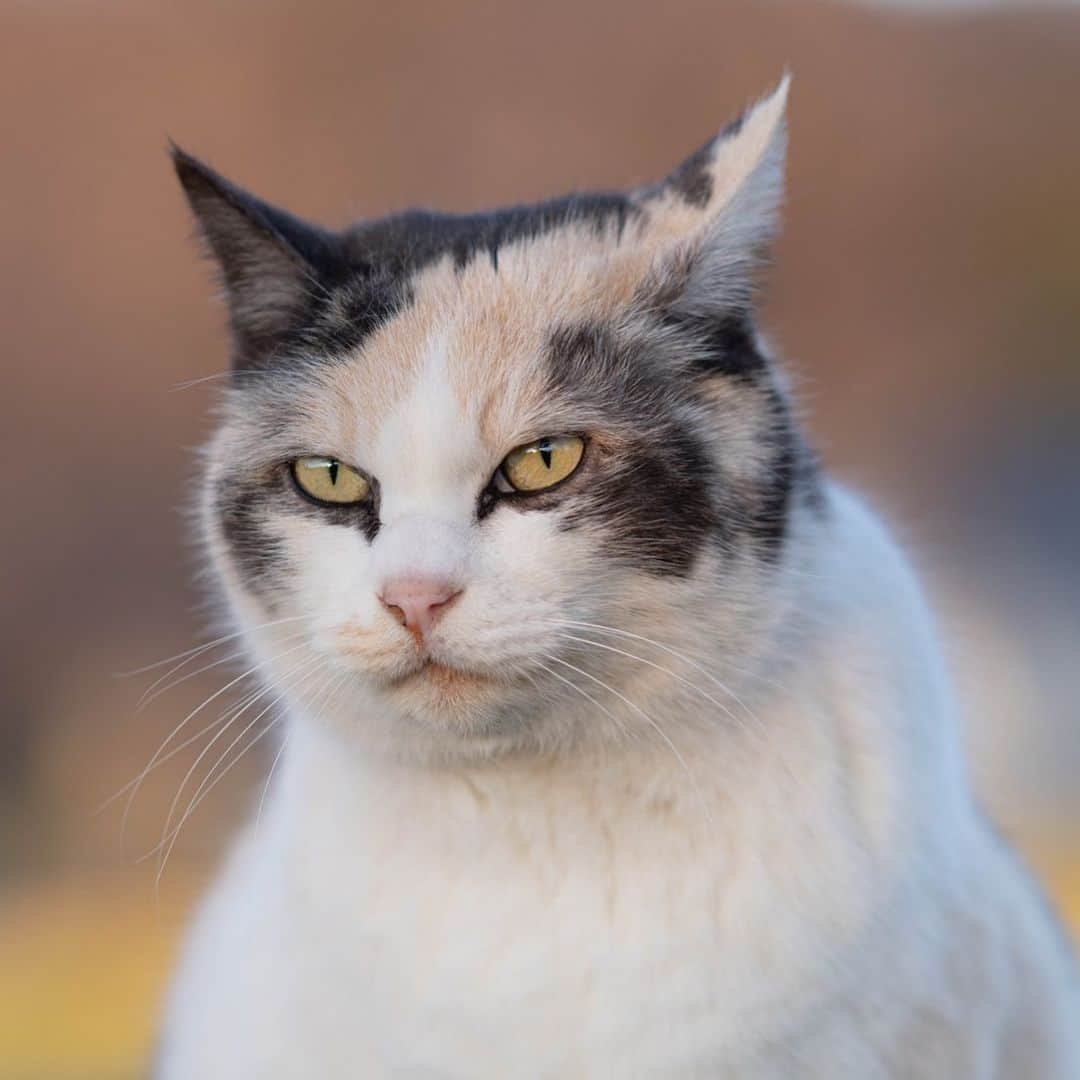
column 327, row 480
column 542, row 464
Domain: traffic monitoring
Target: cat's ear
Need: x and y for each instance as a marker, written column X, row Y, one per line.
column 271, row 263
column 716, row 214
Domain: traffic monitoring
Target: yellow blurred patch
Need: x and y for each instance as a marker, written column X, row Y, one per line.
column 84, row 965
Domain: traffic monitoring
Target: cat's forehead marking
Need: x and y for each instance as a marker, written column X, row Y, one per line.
column 428, row 452
column 490, row 322
column 375, row 378
column 491, row 303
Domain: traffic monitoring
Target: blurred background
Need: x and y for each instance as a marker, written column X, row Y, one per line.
column 926, row 293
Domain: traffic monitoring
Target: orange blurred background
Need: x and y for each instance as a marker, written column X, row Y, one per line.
column 926, row 294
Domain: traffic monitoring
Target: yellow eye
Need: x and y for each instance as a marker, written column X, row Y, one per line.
column 328, row 481
column 542, row 464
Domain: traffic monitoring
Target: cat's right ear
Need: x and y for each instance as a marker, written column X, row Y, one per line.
column 272, row 264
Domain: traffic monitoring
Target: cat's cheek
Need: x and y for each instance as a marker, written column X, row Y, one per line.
column 331, row 575
column 533, row 556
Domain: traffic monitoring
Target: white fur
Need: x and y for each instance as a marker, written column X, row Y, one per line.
column 814, row 895
column 744, row 847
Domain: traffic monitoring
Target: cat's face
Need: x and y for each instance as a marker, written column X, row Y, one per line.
column 469, row 465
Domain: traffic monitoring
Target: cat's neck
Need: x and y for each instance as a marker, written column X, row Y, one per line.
column 628, row 800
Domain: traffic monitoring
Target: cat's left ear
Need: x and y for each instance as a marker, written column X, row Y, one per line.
column 272, row 263
column 712, row 220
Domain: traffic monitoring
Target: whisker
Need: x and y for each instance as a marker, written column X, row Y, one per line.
column 226, row 718
column 333, row 687
column 187, row 384
column 168, row 836
column 179, row 748
column 270, row 688
column 198, row 649
column 671, row 652
column 651, row 722
column 269, row 777
column 191, row 715
column 201, row 794
column 151, row 694
column 658, row 667
column 585, row 694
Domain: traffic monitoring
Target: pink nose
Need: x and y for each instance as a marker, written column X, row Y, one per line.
column 417, row 603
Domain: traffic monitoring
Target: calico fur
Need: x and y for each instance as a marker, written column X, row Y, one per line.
column 673, row 788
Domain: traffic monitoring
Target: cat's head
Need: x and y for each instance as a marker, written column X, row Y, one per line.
column 504, row 479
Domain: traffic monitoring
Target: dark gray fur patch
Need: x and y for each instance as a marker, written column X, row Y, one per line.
column 692, row 178
column 383, row 256
column 653, row 496
column 259, row 555
column 725, row 343
column 662, row 498
column 298, row 289
column 407, row 242
column 769, row 521
column 275, row 267
column 792, row 474
column 732, row 128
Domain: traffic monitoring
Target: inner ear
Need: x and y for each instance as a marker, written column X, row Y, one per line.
column 703, row 185
column 273, row 265
column 711, row 222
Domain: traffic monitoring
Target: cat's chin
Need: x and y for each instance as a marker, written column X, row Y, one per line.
column 449, row 697
column 442, row 679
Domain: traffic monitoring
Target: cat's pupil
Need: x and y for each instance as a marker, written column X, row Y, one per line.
column 333, row 472
column 545, row 453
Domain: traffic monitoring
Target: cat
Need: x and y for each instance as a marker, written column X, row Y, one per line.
column 618, row 740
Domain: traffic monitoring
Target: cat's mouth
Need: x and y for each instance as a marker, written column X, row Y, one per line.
column 441, row 675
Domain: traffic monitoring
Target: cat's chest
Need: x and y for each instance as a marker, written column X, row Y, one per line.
column 564, row 924
column 466, row 959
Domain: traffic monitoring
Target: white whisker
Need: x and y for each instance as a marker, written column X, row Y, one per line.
column 168, row 836
column 658, row 667
column 190, row 716
column 179, row 748
column 201, row 794
column 651, row 722
column 269, row 777
column 197, row 650
column 585, row 694
column 667, row 649
column 151, row 693
column 329, row 691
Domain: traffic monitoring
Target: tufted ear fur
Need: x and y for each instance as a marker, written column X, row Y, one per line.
column 713, row 218
column 272, row 264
